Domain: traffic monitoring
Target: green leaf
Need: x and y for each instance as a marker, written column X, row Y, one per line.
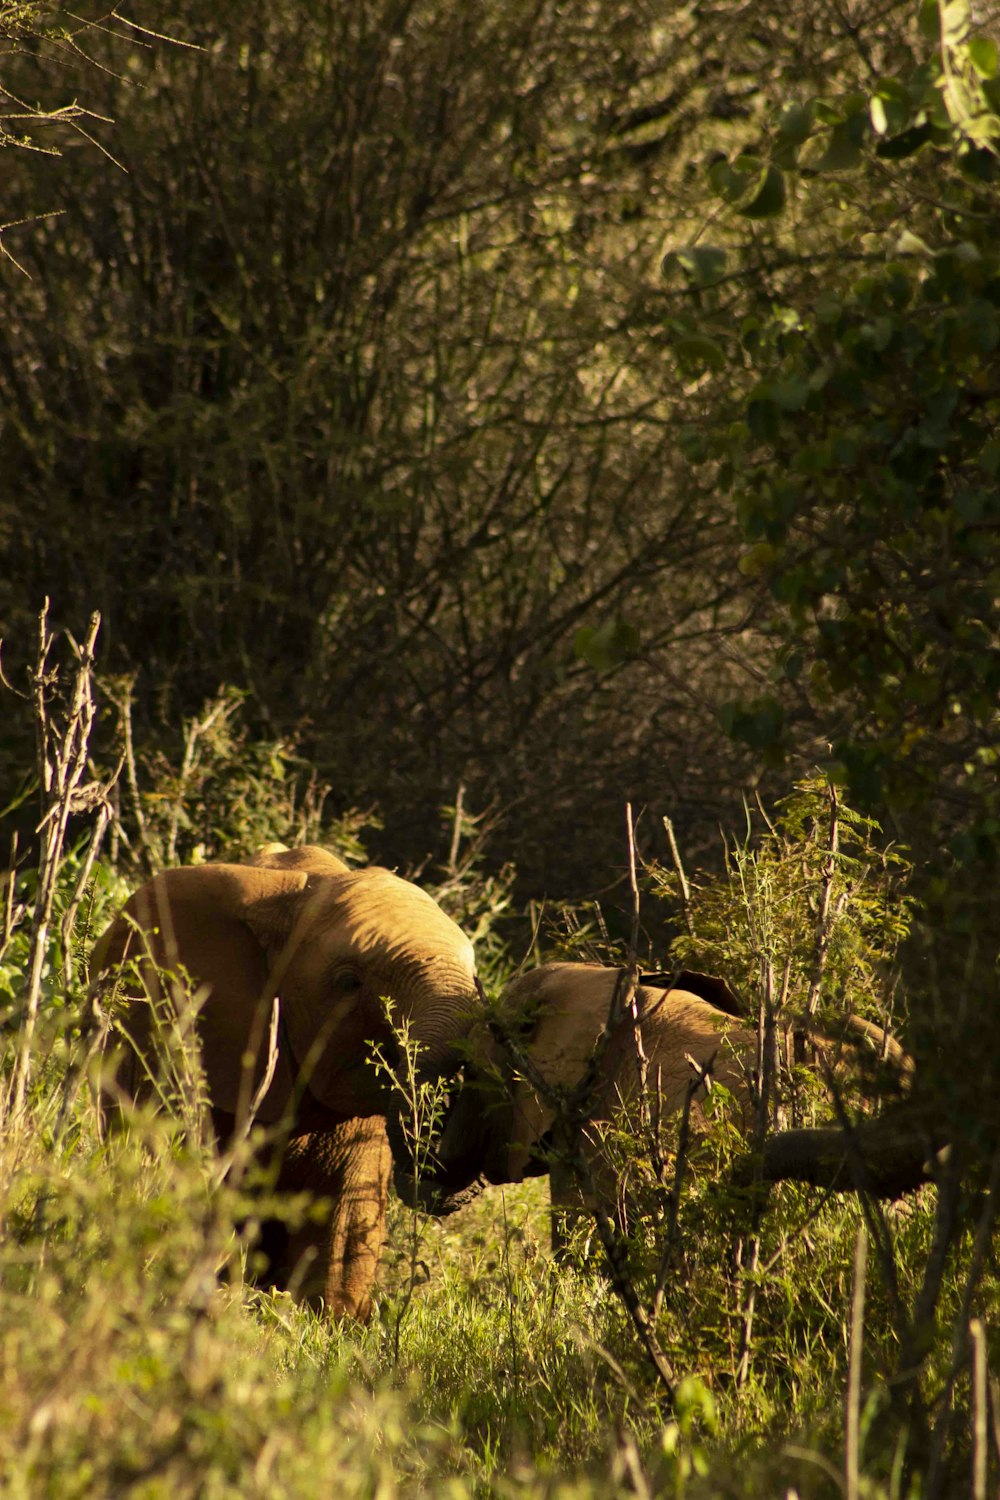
column 954, row 19
column 703, row 265
column 929, row 20
column 607, row 645
column 890, row 108
column 898, row 147
column 790, row 393
column 769, row 196
column 827, row 113
column 878, row 333
column 792, row 665
column 842, row 151
column 729, row 184
column 754, row 191
column 984, row 56
column 796, row 122
column 698, row 349
column 911, row 244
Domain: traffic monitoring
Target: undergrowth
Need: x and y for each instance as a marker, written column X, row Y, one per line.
column 136, row 1357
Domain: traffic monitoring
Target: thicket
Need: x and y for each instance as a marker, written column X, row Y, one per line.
column 355, row 388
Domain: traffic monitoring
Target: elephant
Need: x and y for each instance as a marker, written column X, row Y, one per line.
column 499, row 1124
column 289, row 958
column 498, row 1127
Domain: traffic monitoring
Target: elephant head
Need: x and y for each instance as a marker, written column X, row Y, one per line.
column 327, row 942
column 311, row 858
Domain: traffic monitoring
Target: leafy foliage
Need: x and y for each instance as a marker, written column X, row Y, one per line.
column 811, row 896
column 368, row 409
column 863, row 465
column 222, row 794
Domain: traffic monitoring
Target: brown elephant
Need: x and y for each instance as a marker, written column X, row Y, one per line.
column 500, row 1122
column 288, row 959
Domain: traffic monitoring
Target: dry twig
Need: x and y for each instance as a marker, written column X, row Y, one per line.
column 824, row 918
column 675, row 855
column 62, row 741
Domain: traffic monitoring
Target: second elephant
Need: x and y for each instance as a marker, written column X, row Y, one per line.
column 499, row 1125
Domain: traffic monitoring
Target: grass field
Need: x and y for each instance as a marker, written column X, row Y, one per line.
column 130, row 1365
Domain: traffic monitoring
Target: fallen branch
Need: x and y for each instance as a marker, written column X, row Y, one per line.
column 887, row 1157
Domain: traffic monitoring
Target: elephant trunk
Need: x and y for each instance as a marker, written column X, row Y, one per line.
column 886, row 1157
column 430, row 1198
column 440, row 1189
column 469, row 1154
column 475, row 1140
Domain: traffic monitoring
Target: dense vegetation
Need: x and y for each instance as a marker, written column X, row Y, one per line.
column 484, row 416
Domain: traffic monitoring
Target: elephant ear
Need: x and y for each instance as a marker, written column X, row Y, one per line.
column 214, row 927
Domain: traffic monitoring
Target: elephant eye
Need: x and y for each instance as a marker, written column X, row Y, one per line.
column 345, row 982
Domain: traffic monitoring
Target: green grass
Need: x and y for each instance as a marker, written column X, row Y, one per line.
column 134, row 1360
column 129, row 1368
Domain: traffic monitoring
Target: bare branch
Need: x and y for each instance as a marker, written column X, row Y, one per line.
column 456, row 832
column 824, row 924
column 62, row 756
column 675, row 855
column 701, row 1076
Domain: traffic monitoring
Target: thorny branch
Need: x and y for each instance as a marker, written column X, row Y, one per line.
column 646, row 1123
column 700, row 1076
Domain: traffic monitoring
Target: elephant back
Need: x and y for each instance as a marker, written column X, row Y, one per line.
column 311, row 859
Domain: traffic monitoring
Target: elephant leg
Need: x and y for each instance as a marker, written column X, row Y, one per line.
column 336, row 1259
